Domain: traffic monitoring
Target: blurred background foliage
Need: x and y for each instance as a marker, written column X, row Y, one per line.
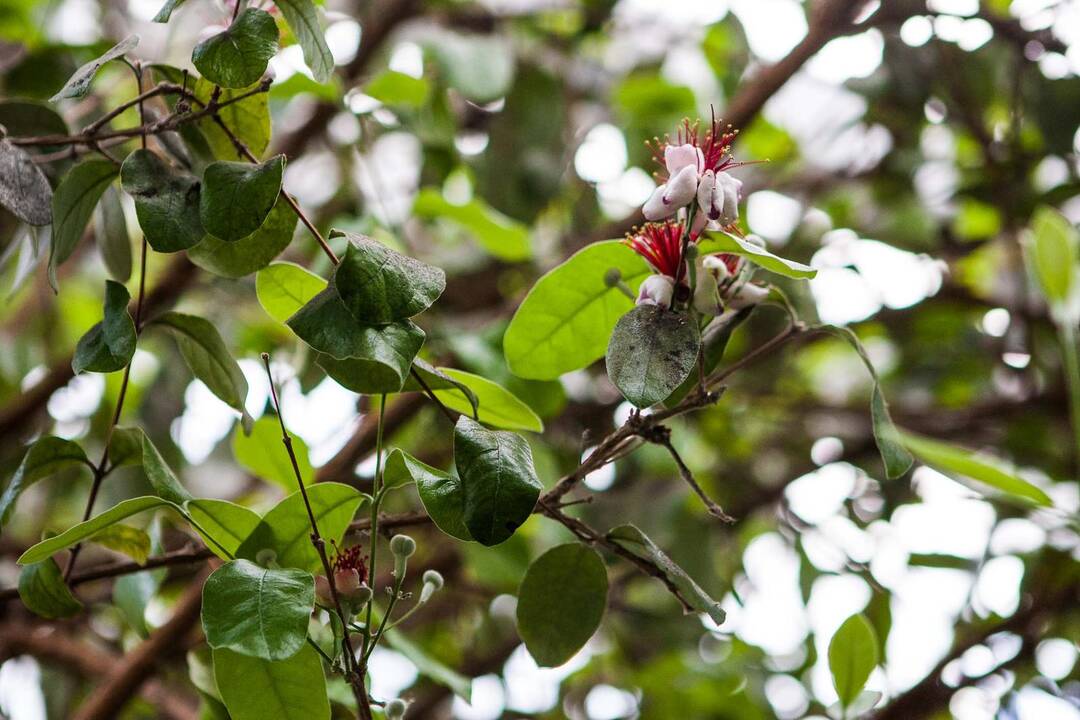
column 908, row 144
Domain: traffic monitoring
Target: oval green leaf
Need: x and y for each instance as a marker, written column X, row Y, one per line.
column 166, row 201
column 284, row 287
column 651, row 352
column 48, row 455
column 109, row 345
column 715, row 242
column 853, row 654
column 237, row 258
column 72, row 204
column 561, row 602
column 496, row 406
column 255, row 689
column 441, row 492
column 263, row 454
column 237, row 56
column 237, row 196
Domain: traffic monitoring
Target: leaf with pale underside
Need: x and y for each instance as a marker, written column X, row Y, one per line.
column 651, row 352
column 24, row 189
column 79, row 83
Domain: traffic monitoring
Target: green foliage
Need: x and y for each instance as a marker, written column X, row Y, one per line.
column 79, row 83
column 125, row 539
column 166, row 201
column 166, row 10
column 722, row 242
column 236, row 197
column 480, row 67
column 209, row 359
column 283, row 288
column 227, row 523
column 249, row 254
column 109, row 345
column 632, row 539
column 499, row 235
column 43, row 592
column 255, row 689
column 561, row 602
column 962, row 464
column 1053, row 252
column 853, row 654
column 651, row 352
column 262, row 453
column 495, row 405
column 498, row 478
column 441, row 492
column 257, row 611
column 72, row 204
column 303, row 20
column 45, row 457
column 82, row 531
column 237, row 56
column 286, row 530
column 398, row 89
column 566, row 319
column 112, row 236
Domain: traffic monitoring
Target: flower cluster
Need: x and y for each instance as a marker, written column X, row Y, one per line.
column 350, row 576
column 696, row 194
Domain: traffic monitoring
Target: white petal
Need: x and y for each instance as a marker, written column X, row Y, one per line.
column 729, row 206
column 706, row 295
column 705, row 189
column 655, row 208
column 676, row 157
column 682, row 188
column 748, row 295
column 656, row 290
column 715, row 265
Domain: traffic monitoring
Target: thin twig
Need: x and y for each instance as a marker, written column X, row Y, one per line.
column 430, row 394
column 356, row 679
column 663, row 439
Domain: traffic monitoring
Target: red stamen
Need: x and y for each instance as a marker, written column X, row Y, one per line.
column 351, row 559
column 660, row 244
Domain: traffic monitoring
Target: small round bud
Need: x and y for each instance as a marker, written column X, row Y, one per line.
column 266, row 557
column 433, row 577
column 612, row 277
column 692, row 252
column 402, row 546
column 395, row 709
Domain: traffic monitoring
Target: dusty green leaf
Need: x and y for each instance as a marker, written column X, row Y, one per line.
column 109, row 345
column 24, row 189
column 166, row 201
column 237, row 196
column 111, row 232
column 651, row 352
column 166, row 10
column 500, row 483
column 237, row 56
column 722, row 242
column 249, row 254
column 79, row 83
column 561, row 602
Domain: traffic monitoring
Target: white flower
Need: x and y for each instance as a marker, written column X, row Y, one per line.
column 672, row 195
column 710, row 270
column 718, row 197
column 656, row 290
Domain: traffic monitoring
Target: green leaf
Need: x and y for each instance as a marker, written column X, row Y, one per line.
column 629, row 537
column 480, row 67
column 715, row 242
column 566, row 319
column 237, row 57
column 500, row 483
column 1052, row 248
column 257, row 689
column 43, row 591
column 397, row 89
column 125, row 539
column 283, row 288
column 166, row 201
column 125, row 446
column 237, row 258
column 227, row 523
column 237, row 196
column 257, row 611
column 561, row 602
column 894, row 455
column 713, row 343
column 853, row 654
column 247, row 119
column 499, row 235
column 109, row 345
column 496, row 405
column 390, row 351
column 72, row 204
column 79, row 84
column 84, row 530
column 133, row 592
column 652, row 350
column 158, row 472
column 441, row 492
column 208, row 358
column 380, row 286
column 286, row 529
column 46, row 456
column 263, row 454
column 937, row 560
column 303, row 20
column 436, row 379
column 429, row 667
column 166, row 10
column 962, row 463
column 24, row 189
column 113, row 239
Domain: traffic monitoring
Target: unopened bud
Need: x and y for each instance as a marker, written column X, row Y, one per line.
column 755, row 240
column 395, row 709
column 612, row 277
column 433, row 577
column 692, row 252
column 267, row 558
column 402, row 546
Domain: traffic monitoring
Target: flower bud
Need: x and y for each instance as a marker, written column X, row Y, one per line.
column 656, row 290
column 433, row 577
column 266, row 558
column 402, row 546
column 395, row 709
column 612, row 277
column 691, row 252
